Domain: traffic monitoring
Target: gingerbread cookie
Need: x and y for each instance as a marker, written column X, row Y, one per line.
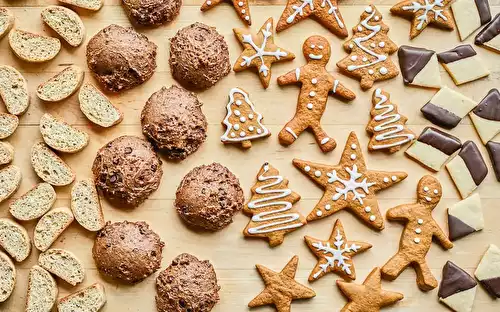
column 270, row 207
column 369, row 297
column 486, row 116
column 494, row 152
column 369, row 50
column 463, row 64
column 419, row 67
column 387, row 125
column 457, row 289
column 465, row 217
column 281, row 288
column 488, row 271
column 260, row 51
column 335, row 254
column 317, row 83
column 488, row 36
column 470, row 15
column 349, row 185
column 417, row 236
column 423, row 13
column 241, row 7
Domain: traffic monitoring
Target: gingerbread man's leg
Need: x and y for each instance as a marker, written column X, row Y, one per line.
column 292, row 130
column 325, row 142
column 395, row 266
column 425, row 280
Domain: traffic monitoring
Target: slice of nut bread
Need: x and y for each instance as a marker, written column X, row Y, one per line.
column 50, row 167
column 10, row 179
column 33, row 204
column 97, row 107
column 86, row 206
column 6, row 153
column 14, row 239
column 32, row 47
column 65, row 23
column 61, row 136
column 13, row 90
column 62, row 264
column 42, row 290
column 6, row 21
column 89, row 299
column 50, row 226
column 93, row 5
column 8, row 124
column 62, row 85
column 7, row 277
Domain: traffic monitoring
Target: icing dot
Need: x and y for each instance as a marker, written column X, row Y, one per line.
column 351, row 46
column 372, row 45
column 240, row 3
column 319, row 213
column 365, row 59
column 353, row 156
column 243, row 11
column 386, row 180
column 243, row 119
column 310, row 106
column 259, row 131
column 418, row 230
column 328, row 207
column 383, row 70
column 237, row 112
column 313, row 46
column 312, row 94
column 251, row 128
column 320, row 47
column 416, row 240
column 247, row 18
column 250, row 116
column 353, row 146
column 314, row 81
column 238, row 102
column 368, row 9
column 372, row 218
column 426, row 189
column 394, row 178
column 381, row 44
column 209, row 2
column 242, row 134
column 368, row 209
column 317, row 173
column 307, row 168
column 233, row 134
column 377, row 18
column 427, row 198
column 236, row 127
column 371, row 72
column 436, row 192
column 354, row 57
column 420, row 221
column 360, row 28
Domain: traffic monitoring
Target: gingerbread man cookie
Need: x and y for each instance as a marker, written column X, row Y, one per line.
column 417, row 236
column 317, row 83
column 241, row 7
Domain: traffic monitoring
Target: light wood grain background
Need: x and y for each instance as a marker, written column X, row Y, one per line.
column 233, row 256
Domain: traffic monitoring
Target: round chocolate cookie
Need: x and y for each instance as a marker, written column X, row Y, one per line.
column 120, row 58
column 127, row 251
column 208, row 197
column 187, row 285
column 152, row 12
column 199, row 56
column 173, row 122
column 127, row 171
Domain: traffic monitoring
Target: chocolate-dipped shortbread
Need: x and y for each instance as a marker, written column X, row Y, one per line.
column 489, row 35
column 486, row 116
column 470, row 15
column 419, row 67
column 463, row 64
column 457, row 289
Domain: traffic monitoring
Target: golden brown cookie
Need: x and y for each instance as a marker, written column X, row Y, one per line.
column 420, row 229
column 241, row 7
column 316, row 84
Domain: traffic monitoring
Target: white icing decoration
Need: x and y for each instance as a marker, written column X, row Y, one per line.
column 236, row 127
column 251, row 128
column 365, row 59
column 238, row 102
column 351, row 46
column 328, row 207
column 418, row 230
column 319, row 213
column 436, row 192
column 313, row 46
column 317, row 173
column 333, row 9
column 394, row 178
column 360, row 28
column 381, row 44
column 242, row 119
column 300, row 10
column 315, row 57
column 372, row 45
column 248, row 18
column 335, row 85
column 259, row 131
column 427, row 198
column 240, row 3
column 426, row 189
column 371, row 72
column 372, row 218
column 314, row 81
column 383, row 70
column 353, row 156
column 297, row 73
column 350, row 185
column 250, row 116
column 416, row 240
column 289, row 130
column 243, row 11
column 307, row 168
column 368, row 9
column 427, row 7
column 325, row 140
column 368, row 209
column 233, row 134
column 320, row 47
column 353, row 146
column 420, row 221
column 309, row 106
column 242, row 134
column 209, row 2
column 386, row 180
column 312, row 94
column 354, row 57
column 377, row 18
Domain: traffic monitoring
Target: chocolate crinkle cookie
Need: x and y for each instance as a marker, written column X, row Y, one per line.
column 208, row 197
column 152, row 12
column 120, row 58
column 127, row 171
column 127, row 251
column 199, row 56
column 173, row 122
column 187, row 285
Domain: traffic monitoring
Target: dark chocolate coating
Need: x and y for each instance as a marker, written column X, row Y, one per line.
column 455, row 54
column 494, row 151
column 440, row 116
column 454, row 280
column 152, row 12
column 412, row 60
column 443, row 141
column 458, row 228
column 489, row 107
column 492, row 285
column 474, row 161
column 483, row 7
column 489, row 31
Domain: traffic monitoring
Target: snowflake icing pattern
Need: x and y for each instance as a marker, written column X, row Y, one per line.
column 428, row 7
column 350, row 185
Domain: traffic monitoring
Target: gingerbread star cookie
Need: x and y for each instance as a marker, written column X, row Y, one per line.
column 281, row 288
column 260, row 51
column 369, row 297
column 335, row 254
column 241, row 7
column 349, row 185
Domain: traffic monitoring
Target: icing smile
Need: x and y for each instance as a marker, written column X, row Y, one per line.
column 315, row 57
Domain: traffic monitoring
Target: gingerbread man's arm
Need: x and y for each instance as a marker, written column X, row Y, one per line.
column 339, row 90
column 292, row 76
column 441, row 237
column 399, row 213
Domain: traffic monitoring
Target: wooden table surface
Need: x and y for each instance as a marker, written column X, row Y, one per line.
column 233, row 256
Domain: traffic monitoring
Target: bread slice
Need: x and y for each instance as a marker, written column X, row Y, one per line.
column 13, row 90
column 6, row 21
column 10, row 179
column 86, row 206
column 7, row 277
column 62, row 85
column 32, row 47
column 65, row 23
column 42, row 290
column 33, row 204
column 8, row 125
column 6, row 153
column 50, row 226
column 89, row 299
column 49, row 167
column 62, row 264
column 61, row 136
column 97, row 107
column 92, row 5
column 14, row 239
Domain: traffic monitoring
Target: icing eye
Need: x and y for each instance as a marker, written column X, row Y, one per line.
column 320, row 47
column 313, row 46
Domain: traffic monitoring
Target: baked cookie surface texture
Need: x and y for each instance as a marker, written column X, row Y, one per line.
column 457, row 289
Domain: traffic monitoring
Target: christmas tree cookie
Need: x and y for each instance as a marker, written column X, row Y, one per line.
column 457, row 289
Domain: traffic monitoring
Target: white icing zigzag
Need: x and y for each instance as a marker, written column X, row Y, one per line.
column 427, row 7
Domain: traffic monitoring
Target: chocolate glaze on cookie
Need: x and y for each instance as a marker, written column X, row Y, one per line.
column 455, row 280
column 443, row 141
column 474, row 161
column 456, row 54
column 489, row 107
column 152, row 12
column 489, row 31
column 494, row 152
column 412, row 60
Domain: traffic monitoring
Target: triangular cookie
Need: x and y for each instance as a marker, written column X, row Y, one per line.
column 488, row 271
column 465, row 217
column 419, row 67
column 457, row 289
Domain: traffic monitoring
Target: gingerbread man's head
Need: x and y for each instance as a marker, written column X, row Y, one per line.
column 316, row 50
column 429, row 191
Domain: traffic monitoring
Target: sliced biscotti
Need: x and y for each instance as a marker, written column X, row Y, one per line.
column 62, row 85
column 33, row 204
column 65, row 23
column 50, row 226
column 6, row 153
column 32, row 47
column 14, row 239
column 86, row 206
column 7, row 277
column 10, row 179
column 42, row 290
column 97, row 107
column 50, row 167
column 89, row 299
column 92, row 5
column 8, row 125
column 61, row 136
column 62, row 264
column 13, row 90
column 6, row 21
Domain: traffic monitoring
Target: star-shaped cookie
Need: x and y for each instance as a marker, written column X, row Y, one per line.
column 260, row 51
column 326, row 12
column 349, row 185
column 281, row 288
column 369, row 297
column 241, row 7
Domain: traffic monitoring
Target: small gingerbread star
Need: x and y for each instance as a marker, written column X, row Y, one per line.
column 241, row 7
column 335, row 254
column 260, row 51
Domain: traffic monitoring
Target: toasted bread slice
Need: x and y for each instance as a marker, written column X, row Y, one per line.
column 14, row 239
column 65, row 23
column 6, row 153
column 8, row 125
column 32, row 47
column 62, row 264
column 10, row 179
column 7, row 277
column 86, row 206
column 61, row 136
column 6, row 21
column 33, row 204
column 62, row 85
column 97, row 107
column 50, row 167
column 89, row 299
column 42, row 290
column 13, row 90
column 50, row 226
column 92, row 5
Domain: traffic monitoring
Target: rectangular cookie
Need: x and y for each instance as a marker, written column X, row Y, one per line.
column 419, row 67
column 494, row 152
column 489, row 35
column 470, row 15
column 463, row 64
column 486, row 116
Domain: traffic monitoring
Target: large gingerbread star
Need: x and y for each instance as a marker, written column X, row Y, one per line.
column 281, row 288
column 349, row 185
column 369, row 297
column 335, row 254
column 326, row 12
column 241, row 7
column 260, row 51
